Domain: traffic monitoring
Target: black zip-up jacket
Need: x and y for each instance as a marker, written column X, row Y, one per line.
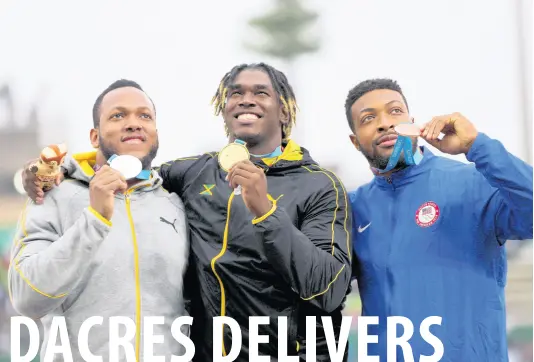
column 295, row 261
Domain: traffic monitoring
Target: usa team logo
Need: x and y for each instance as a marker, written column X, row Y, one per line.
column 427, row 214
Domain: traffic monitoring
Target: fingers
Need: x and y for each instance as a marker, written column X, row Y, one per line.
column 441, row 124
column 246, row 165
column 30, row 183
column 107, row 178
column 431, row 127
column 239, row 180
column 435, row 142
column 243, row 166
column 118, row 185
column 35, row 192
column 59, row 179
column 105, row 170
column 438, row 125
column 242, row 177
column 245, row 172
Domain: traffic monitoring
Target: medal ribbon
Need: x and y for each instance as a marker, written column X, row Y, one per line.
column 403, row 144
column 277, row 152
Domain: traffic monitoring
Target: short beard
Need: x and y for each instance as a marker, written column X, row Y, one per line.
column 381, row 162
column 146, row 162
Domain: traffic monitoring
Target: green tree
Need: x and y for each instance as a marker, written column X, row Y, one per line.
column 285, row 28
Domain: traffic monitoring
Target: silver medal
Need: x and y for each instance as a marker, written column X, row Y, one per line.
column 129, row 166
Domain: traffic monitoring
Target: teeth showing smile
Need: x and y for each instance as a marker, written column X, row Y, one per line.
column 247, row 116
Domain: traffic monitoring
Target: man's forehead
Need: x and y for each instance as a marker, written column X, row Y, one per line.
column 127, row 97
column 376, row 99
column 252, row 78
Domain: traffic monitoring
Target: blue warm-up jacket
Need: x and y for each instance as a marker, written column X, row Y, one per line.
column 429, row 241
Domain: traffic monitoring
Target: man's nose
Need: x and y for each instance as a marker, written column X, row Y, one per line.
column 385, row 124
column 133, row 124
column 247, row 100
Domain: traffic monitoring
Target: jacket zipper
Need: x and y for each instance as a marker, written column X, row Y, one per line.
column 221, row 253
column 394, row 218
column 137, row 277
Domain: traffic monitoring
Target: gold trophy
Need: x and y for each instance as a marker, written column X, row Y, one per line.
column 48, row 167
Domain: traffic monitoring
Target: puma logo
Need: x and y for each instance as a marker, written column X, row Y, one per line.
column 168, row 222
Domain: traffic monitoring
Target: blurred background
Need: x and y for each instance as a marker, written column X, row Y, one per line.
column 56, row 56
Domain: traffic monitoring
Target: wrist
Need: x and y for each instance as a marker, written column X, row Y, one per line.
column 470, row 143
column 265, row 207
column 100, row 215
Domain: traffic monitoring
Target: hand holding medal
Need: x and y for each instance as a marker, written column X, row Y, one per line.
column 245, row 177
column 459, row 133
column 230, row 155
column 129, row 166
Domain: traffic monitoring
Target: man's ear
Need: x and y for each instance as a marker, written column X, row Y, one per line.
column 354, row 141
column 94, row 137
column 284, row 115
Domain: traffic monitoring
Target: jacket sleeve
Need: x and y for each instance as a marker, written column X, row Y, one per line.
column 46, row 264
column 316, row 260
column 508, row 211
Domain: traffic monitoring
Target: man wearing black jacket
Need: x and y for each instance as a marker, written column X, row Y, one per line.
column 281, row 246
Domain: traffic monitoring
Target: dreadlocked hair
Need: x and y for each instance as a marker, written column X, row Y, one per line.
column 280, row 85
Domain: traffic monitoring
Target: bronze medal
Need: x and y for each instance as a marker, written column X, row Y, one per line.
column 408, row 130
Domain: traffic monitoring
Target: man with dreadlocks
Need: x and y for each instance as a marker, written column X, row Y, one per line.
column 280, row 248
column 270, row 236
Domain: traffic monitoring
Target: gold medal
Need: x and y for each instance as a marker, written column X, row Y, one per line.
column 232, row 154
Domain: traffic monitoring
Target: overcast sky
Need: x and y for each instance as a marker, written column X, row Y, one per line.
column 449, row 56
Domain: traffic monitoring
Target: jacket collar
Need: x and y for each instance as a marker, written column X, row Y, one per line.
column 292, row 152
column 406, row 175
column 83, row 165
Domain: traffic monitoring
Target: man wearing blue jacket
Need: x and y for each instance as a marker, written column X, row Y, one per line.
column 429, row 232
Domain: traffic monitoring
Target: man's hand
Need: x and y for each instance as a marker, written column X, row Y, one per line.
column 459, row 132
column 32, row 186
column 102, row 189
column 254, row 186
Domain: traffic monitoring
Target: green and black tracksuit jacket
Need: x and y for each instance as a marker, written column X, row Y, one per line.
column 295, row 261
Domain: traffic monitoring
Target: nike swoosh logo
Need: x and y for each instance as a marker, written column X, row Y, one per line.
column 361, row 230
